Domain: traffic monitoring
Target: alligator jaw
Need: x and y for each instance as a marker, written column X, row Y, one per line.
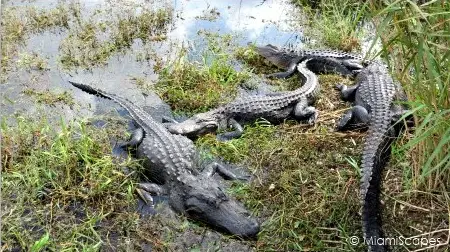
column 199, row 124
column 225, row 214
column 275, row 56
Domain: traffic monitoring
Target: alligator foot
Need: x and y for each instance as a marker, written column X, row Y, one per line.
column 308, row 113
column 146, row 190
column 356, row 117
column 136, row 138
column 347, row 93
column 314, row 115
column 223, row 171
column 238, row 130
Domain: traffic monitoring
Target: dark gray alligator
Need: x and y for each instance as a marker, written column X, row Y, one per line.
column 377, row 106
column 322, row 61
column 273, row 107
column 171, row 161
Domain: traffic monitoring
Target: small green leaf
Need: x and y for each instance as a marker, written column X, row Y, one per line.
column 39, row 245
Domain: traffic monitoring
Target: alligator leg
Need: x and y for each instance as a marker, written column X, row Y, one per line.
column 356, row 117
column 347, row 93
column 302, row 111
column 145, row 191
column 289, row 72
column 224, row 172
column 238, row 130
column 136, row 138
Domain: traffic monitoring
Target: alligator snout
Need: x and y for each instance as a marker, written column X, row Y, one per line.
column 192, row 127
column 228, row 216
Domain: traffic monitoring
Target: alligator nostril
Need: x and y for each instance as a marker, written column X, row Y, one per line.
column 252, row 229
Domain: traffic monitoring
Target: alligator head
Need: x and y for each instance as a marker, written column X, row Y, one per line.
column 198, row 124
column 203, row 199
column 275, row 55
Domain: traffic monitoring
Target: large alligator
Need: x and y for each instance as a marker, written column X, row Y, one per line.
column 171, row 161
column 321, row 61
column 273, row 107
column 376, row 97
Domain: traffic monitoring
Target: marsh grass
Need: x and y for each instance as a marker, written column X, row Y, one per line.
column 50, row 98
column 18, row 23
column 92, row 42
column 416, row 39
column 336, row 24
column 196, row 85
column 31, row 61
column 60, row 190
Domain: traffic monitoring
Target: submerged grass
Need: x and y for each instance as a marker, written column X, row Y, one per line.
column 92, row 42
column 60, row 190
column 19, row 22
column 50, row 98
column 31, row 62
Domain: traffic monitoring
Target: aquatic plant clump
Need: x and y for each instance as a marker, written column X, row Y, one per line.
column 91, row 43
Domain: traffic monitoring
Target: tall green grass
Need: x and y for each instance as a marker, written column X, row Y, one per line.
column 416, row 37
column 336, row 24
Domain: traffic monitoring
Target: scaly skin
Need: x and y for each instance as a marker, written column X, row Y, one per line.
column 171, row 160
column 322, row 61
column 273, row 107
column 375, row 95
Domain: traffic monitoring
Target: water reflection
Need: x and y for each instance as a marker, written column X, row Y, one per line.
column 251, row 21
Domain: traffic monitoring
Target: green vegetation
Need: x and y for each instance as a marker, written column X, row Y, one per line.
column 91, row 43
column 17, row 23
column 334, row 23
column 192, row 86
column 415, row 39
column 50, row 98
column 31, row 62
column 60, row 190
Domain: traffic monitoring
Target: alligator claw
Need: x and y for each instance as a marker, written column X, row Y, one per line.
column 313, row 119
column 145, row 196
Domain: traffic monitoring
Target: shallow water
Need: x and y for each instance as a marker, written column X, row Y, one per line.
column 250, row 21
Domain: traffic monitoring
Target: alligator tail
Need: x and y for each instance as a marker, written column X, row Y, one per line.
column 91, row 90
column 138, row 114
column 376, row 154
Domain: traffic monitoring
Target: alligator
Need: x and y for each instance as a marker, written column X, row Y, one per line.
column 343, row 63
column 171, row 161
column 274, row 107
column 377, row 105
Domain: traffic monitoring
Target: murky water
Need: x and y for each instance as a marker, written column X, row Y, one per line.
column 250, row 21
